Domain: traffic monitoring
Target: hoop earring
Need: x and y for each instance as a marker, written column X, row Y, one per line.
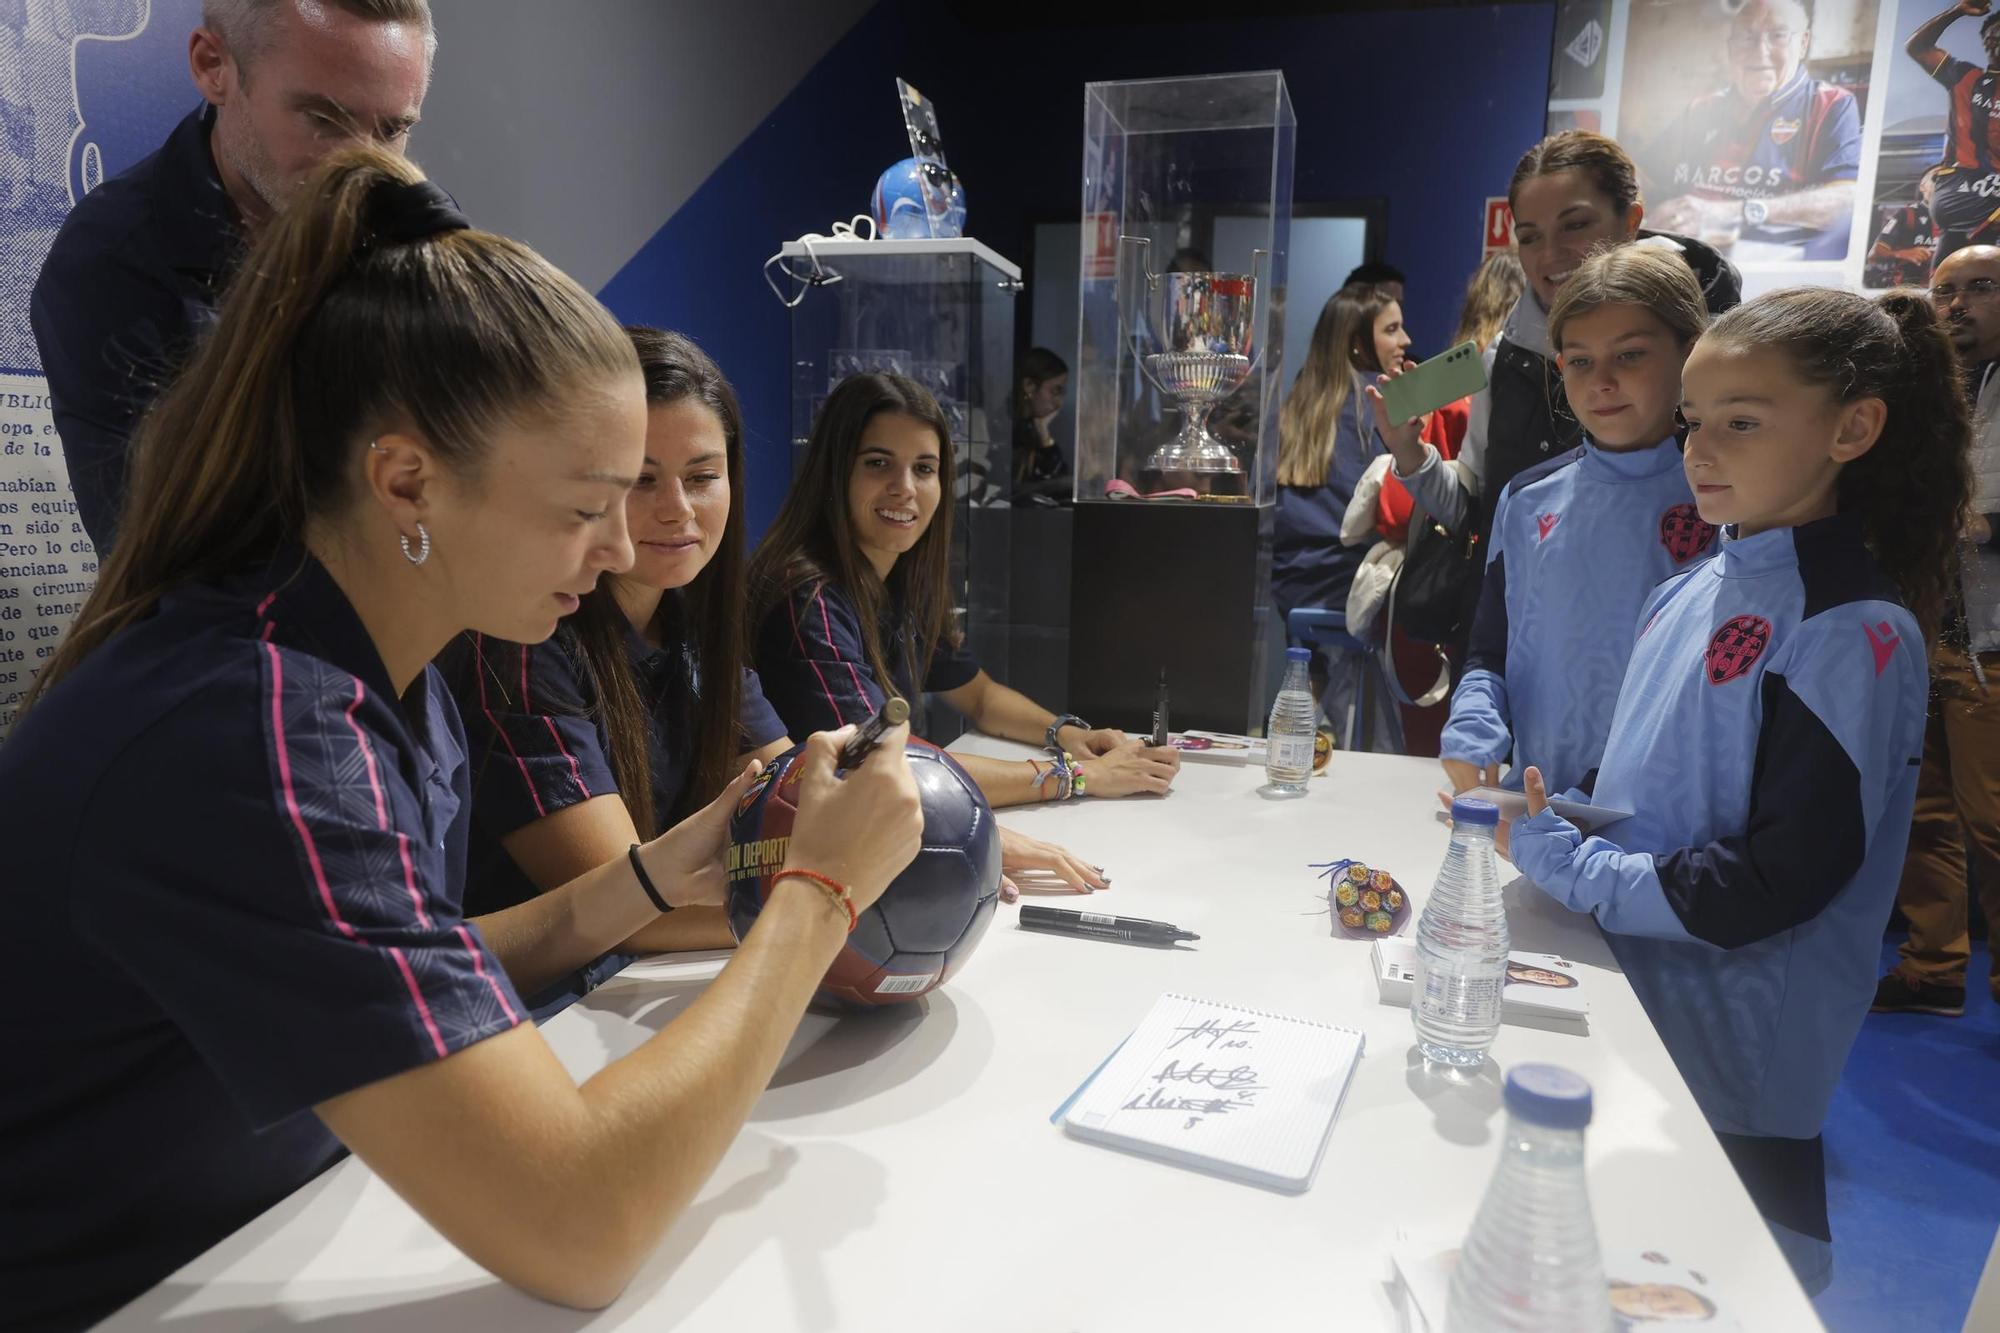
column 423, row 553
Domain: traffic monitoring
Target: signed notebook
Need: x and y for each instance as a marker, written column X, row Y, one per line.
column 1235, row 1091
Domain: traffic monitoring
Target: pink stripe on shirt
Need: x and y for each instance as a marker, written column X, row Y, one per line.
column 368, row 755
column 479, row 669
column 825, row 689
column 291, row 796
column 417, row 994
column 479, row 966
column 550, row 723
column 819, row 595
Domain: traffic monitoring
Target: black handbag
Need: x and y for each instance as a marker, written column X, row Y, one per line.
column 1440, row 568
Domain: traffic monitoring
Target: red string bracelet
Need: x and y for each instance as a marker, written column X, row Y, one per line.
column 835, row 889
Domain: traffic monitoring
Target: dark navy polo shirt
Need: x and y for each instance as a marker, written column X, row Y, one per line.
column 538, row 745
column 130, row 284
column 816, row 673
column 234, row 865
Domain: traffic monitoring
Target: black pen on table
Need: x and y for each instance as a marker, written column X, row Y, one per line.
column 894, row 712
column 1162, row 733
column 1062, row 921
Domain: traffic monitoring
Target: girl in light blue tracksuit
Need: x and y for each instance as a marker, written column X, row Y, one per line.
column 1768, row 733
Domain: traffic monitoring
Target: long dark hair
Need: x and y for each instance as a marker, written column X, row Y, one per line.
column 812, row 540
column 1910, row 490
column 705, row 615
column 332, row 329
column 1343, row 341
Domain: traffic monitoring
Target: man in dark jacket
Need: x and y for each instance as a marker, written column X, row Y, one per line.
column 135, row 273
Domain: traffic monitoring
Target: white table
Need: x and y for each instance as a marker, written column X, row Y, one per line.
column 901, row 1171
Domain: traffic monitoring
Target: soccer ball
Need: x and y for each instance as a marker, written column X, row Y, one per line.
column 924, row 927
column 898, row 205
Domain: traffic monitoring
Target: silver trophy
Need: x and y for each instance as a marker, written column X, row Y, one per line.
column 1203, row 324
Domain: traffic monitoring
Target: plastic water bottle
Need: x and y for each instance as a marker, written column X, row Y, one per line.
column 1531, row 1259
column 1462, row 945
column 1294, row 724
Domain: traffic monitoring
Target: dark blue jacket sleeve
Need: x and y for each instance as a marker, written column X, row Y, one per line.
column 759, row 723
column 811, row 663
column 951, row 667
column 102, row 374
column 529, row 731
column 325, row 950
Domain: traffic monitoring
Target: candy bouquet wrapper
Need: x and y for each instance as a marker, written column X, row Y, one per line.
column 1367, row 903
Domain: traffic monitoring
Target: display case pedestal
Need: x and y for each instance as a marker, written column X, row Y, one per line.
column 1198, row 610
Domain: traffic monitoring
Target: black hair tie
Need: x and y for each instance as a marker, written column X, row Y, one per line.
column 398, row 213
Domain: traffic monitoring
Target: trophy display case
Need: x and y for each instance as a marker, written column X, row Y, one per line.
column 1187, row 209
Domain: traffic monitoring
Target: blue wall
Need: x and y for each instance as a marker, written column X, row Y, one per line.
column 1427, row 108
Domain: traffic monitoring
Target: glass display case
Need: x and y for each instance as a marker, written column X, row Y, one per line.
column 942, row 313
column 1187, row 202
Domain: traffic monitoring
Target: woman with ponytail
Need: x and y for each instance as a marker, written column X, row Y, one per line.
column 640, row 708
column 237, row 802
column 1768, row 733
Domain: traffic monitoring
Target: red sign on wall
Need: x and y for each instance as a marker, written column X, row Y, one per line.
column 1499, row 227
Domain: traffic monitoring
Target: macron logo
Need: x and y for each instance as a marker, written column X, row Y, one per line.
column 1884, row 645
column 1547, row 524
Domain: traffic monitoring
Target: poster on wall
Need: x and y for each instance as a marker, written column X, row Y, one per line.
column 1936, row 188
column 87, row 88
column 1759, row 126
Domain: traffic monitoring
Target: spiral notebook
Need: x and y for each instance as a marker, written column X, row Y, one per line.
column 1239, row 1092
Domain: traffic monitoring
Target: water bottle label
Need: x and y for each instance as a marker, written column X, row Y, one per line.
column 1460, row 998
column 1292, row 752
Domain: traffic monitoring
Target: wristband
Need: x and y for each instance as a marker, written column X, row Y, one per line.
column 834, row 890
column 1066, row 720
column 646, row 881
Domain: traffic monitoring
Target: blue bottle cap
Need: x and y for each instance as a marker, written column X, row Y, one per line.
column 1548, row 1095
column 1465, row 810
column 1298, row 654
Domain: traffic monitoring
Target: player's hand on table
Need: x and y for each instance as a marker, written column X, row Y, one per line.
column 860, row 829
column 1131, row 769
column 686, row 861
column 1090, row 744
column 1043, row 867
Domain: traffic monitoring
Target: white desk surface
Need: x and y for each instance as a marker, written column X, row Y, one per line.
column 901, row 1171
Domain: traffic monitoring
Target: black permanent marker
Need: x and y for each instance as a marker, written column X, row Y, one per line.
column 1132, row 929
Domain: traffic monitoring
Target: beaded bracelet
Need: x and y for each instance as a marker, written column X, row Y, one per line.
column 1065, row 770
column 835, row 889
column 646, row 880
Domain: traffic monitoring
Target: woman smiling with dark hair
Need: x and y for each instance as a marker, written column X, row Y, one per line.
column 850, row 602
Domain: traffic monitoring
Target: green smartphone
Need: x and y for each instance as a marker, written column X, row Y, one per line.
column 1445, row 378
